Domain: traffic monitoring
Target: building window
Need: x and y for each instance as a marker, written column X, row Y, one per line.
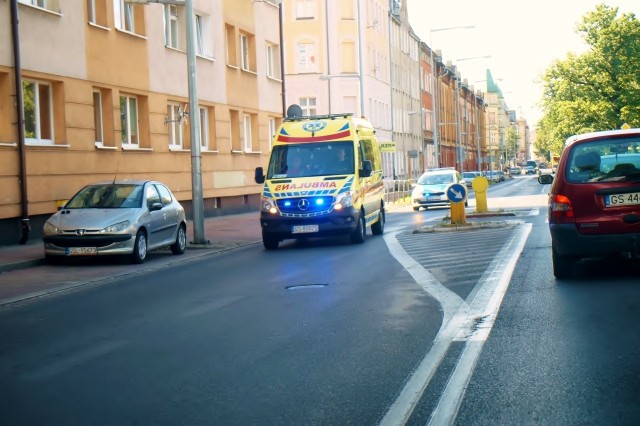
column 308, row 106
column 347, row 9
column 231, row 46
column 171, row 26
column 97, row 10
column 204, row 128
column 51, row 5
column 199, row 42
column 273, row 124
column 97, row 118
column 247, row 52
column 273, row 61
column 246, row 125
column 38, row 111
column 124, row 15
column 175, row 119
column 305, row 9
column 129, row 120
column 306, row 55
column 234, row 131
column 348, row 56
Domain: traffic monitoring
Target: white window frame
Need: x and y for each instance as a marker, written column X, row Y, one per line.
column 244, row 52
column 204, row 128
column 97, row 118
column 273, row 61
column 309, row 106
column 171, row 26
column 37, row 122
column 124, row 14
column 43, row 4
column 176, row 129
column 272, row 130
column 199, row 23
column 127, row 119
column 246, row 125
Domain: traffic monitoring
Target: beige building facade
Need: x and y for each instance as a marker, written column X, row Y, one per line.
column 105, row 89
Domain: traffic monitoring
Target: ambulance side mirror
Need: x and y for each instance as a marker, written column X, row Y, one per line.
column 259, row 176
column 367, row 168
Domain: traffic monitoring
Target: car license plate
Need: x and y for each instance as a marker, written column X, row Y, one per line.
column 304, row 229
column 82, row 251
column 615, row 200
column 433, row 198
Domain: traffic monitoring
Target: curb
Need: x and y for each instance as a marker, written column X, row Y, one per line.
column 23, row 264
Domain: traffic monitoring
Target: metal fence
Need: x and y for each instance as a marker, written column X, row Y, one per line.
column 397, row 192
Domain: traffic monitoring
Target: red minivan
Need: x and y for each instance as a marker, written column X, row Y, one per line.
column 594, row 201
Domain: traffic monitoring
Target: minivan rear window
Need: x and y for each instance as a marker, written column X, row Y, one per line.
column 604, row 160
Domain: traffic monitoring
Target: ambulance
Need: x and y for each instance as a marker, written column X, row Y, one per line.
column 324, row 178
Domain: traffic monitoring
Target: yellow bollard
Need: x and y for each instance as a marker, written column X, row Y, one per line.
column 458, row 214
column 480, row 185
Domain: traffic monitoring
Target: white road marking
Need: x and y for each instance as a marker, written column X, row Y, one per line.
column 483, row 312
column 457, row 317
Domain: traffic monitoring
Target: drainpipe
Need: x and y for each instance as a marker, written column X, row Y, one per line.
column 326, row 19
column 284, row 91
column 24, row 205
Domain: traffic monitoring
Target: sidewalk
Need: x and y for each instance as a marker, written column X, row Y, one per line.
column 222, row 232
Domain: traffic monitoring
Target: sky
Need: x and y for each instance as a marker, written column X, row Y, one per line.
column 522, row 38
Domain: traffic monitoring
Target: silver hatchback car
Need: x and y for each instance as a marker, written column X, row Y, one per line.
column 124, row 217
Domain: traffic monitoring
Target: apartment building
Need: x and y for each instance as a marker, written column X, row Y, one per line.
column 104, row 85
column 337, row 60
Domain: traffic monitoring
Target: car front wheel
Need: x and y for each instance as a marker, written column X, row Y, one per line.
column 139, row 254
column 357, row 237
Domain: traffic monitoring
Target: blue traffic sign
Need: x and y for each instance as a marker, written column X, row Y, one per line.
column 456, row 193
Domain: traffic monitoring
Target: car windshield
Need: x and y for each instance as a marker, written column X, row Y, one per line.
column 307, row 160
column 436, row 179
column 605, row 160
column 107, row 196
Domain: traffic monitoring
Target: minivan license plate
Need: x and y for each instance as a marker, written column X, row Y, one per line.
column 304, row 229
column 630, row 199
column 82, row 251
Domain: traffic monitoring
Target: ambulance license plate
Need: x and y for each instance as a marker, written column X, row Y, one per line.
column 304, row 229
column 82, row 251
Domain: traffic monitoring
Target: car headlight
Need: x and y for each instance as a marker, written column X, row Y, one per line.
column 49, row 229
column 120, row 226
column 344, row 200
column 268, row 205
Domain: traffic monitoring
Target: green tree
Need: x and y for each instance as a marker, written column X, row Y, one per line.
column 598, row 89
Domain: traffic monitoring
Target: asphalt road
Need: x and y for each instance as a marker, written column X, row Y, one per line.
column 406, row 328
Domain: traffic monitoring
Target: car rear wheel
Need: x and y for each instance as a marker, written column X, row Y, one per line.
column 181, row 241
column 269, row 241
column 378, row 227
column 357, row 237
column 139, row 254
column 562, row 265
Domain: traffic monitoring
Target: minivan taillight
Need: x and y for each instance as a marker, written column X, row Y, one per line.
column 560, row 208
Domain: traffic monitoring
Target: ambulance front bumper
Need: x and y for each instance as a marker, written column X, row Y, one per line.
column 343, row 222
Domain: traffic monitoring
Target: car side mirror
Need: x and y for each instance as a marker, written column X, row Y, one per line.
column 367, row 169
column 155, row 207
column 545, row 179
column 259, row 175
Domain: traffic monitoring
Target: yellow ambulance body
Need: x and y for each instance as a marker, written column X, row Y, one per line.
column 324, row 178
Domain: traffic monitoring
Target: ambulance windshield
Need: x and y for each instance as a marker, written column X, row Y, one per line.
column 308, row 160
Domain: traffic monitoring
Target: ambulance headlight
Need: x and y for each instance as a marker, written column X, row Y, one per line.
column 344, row 200
column 269, row 205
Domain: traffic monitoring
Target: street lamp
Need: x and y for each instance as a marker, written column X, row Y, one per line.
column 435, row 85
column 197, row 202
